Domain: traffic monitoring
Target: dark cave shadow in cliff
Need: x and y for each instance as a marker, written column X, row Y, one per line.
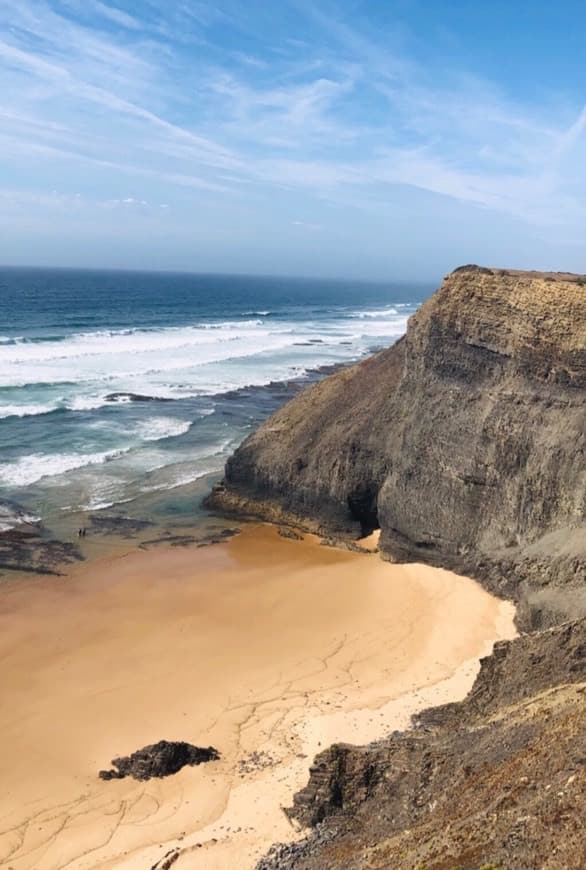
column 362, row 504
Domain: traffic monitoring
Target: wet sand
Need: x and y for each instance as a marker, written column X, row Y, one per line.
column 268, row 649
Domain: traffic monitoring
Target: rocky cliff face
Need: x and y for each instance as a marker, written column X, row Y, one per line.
column 465, row 442
column 496, row 781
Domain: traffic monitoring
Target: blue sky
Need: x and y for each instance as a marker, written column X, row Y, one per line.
column 387, row 139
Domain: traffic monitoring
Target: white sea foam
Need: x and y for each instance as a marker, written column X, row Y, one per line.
column 99, row 505
column 108, row 359
column 11, row 517
column 74, row 403
column 202, row 460
column 111, row 360
column 142, row 472
column 182, row 480
column 159, row 428
column 36, row 466
column 85, row 403
column 96, row 505
column 377, row 312
column 26, row 410
column 79, row 372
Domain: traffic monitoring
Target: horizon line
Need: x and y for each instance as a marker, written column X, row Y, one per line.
column 208, row 273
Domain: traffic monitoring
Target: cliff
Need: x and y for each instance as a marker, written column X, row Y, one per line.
column 465, row 442
column 497, row 781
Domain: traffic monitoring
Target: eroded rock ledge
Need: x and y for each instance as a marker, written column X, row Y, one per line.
column 25, row 545
column 498, row 780
column 465, row 442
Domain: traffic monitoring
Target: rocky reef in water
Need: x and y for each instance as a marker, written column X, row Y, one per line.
column 464, row 442
column 26, row 545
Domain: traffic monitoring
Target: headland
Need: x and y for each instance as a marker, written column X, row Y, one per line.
column 460, row 448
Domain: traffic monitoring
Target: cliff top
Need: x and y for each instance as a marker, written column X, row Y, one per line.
column 529, row 274
column 509, row 311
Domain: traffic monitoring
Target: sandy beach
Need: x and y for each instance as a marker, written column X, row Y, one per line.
column 267, row 648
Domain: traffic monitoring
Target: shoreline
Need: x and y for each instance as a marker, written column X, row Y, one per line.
column 267, row 648
column 21, row 521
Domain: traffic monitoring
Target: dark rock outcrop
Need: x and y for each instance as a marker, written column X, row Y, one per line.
column 465, row 442
column 25, row 545
column 496, row 781
column 167, row 860
column 158, row 760
column 14, row 516
column 116, row 524
column 291, row 534
column 134, row 397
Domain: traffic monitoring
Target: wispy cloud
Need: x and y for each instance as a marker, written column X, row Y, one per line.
column 322, row 109
column 290, row 116
column 306, row 225
column 117, row 16
column 249, row 60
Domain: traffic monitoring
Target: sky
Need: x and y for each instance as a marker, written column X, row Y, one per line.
column 388, row 139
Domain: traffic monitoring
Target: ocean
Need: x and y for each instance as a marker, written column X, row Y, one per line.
column 121, row 390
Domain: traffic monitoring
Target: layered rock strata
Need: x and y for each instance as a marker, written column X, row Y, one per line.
column 465, row 442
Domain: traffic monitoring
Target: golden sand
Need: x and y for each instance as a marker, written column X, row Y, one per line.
column 268, row 649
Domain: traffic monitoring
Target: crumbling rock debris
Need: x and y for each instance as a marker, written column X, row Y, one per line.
column 286, row 532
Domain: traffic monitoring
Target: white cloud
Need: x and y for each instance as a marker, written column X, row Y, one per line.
column 117, row 16
column 307, row 225
column 349, row 116
column 249, row 60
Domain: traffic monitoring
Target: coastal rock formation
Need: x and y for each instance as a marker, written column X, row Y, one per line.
column 158, row 760
column 26, row 545
column 134, row 397
column 13, row 516
column 116, row 524
column 465, row 442
column 498, row 780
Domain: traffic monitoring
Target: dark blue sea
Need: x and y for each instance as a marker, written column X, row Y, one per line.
column 115, row 386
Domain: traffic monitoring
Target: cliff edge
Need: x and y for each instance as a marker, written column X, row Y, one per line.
column 464, row 442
